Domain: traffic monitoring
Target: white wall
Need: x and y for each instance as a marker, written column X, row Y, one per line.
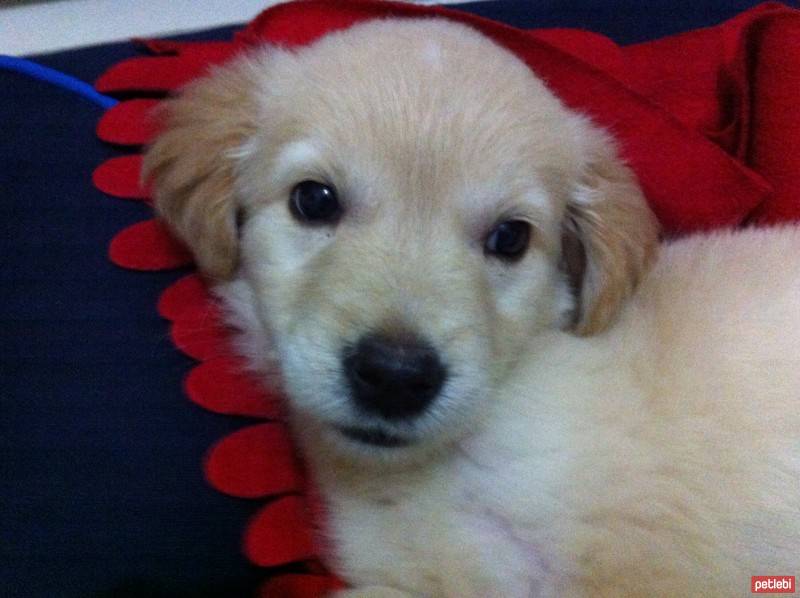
column 32, row 28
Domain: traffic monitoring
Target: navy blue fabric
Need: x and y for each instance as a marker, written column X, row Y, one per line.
column 101, row 489
column 624, row 21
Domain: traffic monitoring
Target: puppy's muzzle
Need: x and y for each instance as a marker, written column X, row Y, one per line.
column 394, row 377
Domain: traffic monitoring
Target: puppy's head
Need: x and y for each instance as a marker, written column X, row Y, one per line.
column 408, row 206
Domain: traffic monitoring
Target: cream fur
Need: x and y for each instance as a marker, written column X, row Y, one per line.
column 636, row 436
column 659, row 459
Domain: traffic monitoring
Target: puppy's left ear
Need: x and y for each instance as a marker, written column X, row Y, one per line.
column 609, row 234
column 191, row 166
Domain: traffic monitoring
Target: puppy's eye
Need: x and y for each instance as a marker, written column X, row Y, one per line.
column 508, row 240
column 315, row 203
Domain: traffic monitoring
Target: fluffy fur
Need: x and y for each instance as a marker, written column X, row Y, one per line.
column 592, row 439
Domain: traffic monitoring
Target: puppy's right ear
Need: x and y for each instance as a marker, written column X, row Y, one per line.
column 610, row 235
column 190, row 164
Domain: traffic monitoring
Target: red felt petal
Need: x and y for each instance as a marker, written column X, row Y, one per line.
column 161, row 73
column 317, row 19
column 214, row 50
column 120, row 177
column 223, row 386
column 128, row 123
column 299, row 586
column 150, row 73
column 279, row 534
column 254, row 462
column 200, row 333
column 158, row 47
column 148, row 246
column 184, row 294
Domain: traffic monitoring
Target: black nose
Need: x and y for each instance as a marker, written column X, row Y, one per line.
column 392, row 377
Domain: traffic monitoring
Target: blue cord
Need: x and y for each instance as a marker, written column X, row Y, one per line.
column 54, row 77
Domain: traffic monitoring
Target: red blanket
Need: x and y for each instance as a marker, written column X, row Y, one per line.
column 707, row 120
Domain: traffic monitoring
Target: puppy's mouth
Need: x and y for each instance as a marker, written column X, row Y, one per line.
column 374, row 437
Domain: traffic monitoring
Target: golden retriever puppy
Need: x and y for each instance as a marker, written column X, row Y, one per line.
column 501, row 388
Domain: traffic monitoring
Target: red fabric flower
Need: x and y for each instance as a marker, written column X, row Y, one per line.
column 707, row 120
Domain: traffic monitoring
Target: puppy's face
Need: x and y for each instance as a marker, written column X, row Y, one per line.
column 405, row 227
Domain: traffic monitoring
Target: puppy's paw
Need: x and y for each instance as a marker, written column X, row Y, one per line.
column 372, row 592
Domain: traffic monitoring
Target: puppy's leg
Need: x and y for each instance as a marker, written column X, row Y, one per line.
column 372, row 592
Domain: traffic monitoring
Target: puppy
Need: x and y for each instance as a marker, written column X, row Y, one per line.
column 499, row 386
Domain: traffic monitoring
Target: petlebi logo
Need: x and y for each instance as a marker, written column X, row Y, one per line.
column 772, row 584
